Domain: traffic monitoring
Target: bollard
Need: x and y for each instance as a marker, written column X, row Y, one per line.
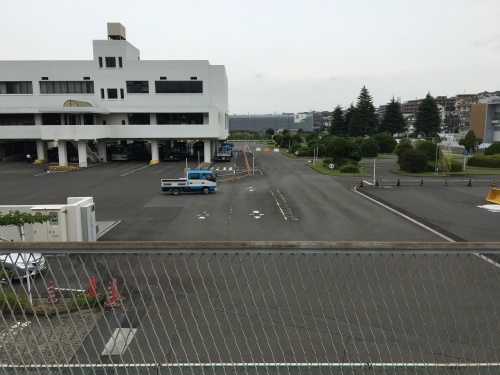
column 376, row 182
column 52, row 294
column 399, row 183
column 110, row 301
column 494, row 183
column 361, row 183
column 445, row 182
column 421, row 182
column 470, row 183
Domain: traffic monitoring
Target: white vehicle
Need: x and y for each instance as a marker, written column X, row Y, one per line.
column 201, row 181
column 21, row 265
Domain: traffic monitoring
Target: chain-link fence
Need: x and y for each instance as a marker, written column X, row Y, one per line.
column 252, row 308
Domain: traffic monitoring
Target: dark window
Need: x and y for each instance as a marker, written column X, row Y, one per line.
column 122, row 95
column 51, row 119
column 110, row 62
column 138, row 119
column 194, row 78
column 67, row 87
column 102, row 93
column 22, row 87
column 100, row 62
column 194, row 176
column 174, row 87
column 45, row 78
column 120, row 62
column 104, row 122
column 86, row 78
column 179, row 118
column 112, row 93
column 163, row 78
column 88, row 119
column 137, row 87
column 17, row 119
column 123, row 122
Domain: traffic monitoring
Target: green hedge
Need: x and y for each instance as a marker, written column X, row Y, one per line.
column 485, row 161
column 349, row 168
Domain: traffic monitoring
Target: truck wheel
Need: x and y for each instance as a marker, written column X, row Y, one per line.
column 175, row 191
column 205, row 190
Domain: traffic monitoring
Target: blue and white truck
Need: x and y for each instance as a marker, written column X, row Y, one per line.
column 196, row 180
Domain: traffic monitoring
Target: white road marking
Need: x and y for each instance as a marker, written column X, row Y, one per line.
column 135, row 170
column 119, row 341
column 491, row 207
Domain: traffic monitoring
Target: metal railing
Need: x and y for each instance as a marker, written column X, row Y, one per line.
column 255, row 307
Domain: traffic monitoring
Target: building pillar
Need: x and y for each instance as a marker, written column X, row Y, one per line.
column 63, row 153
column 82, row 153
column 41, row 152
column 155, row 154
column 101, row 151
column 207, row 152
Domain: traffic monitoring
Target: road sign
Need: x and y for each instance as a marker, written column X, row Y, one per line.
column 465, row 153
column 331, row 166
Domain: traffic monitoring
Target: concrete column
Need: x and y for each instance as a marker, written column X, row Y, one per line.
column 82, row 153
column 207, row 151
column 101, row 151
column 155, row 154
column 41, row 152
column 63, row 153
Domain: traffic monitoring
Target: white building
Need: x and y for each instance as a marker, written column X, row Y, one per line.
column 113, row 97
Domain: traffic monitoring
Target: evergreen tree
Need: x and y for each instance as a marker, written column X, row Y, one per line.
column 393, row 121
column 470, row 141
column 427, row 120
column 338, row 126
column 364, row 120
column 348, row 116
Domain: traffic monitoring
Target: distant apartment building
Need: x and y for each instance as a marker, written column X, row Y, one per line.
column 260, row 123
column 485, row 119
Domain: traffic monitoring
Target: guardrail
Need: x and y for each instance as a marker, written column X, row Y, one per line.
column 255, row 307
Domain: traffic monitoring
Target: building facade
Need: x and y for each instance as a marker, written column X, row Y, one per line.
column 256, row 123
column 115, row 97
column 485, row 119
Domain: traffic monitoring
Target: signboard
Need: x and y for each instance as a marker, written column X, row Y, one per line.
column 300, row 118
column 331, row 166
column 267, row 149
column 465, row 153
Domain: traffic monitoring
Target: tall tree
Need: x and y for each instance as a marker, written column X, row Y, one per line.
column 428, row 120
column 338, row 126
column 393, row 121
column 348, row 115
column 364, row 121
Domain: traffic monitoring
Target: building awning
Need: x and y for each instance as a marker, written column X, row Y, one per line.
column 75, row 106
column 76, row 103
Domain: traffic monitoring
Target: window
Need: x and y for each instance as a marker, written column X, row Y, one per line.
column 138, row 119
column 174, row 87
column 104, row 122
column 110, row 62
column 194, row 176
column 163, row 78
column 100, row 62
column 194, row 78
column 137, row 87
column 88, row 119
column 51, row 119
column 67, row 87
column 122, row 95
column 123, row 122
column 112, row 93
column 179, row 118
column 86, row 78
column 45, row 78
column 120, row 62
column 102, row 93
column 21, row 87
column 17, row 119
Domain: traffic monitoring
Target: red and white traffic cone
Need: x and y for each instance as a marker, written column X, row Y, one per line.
column 52, row 294
column 110, row 301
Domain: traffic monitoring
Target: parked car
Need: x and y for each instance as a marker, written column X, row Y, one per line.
column 20, row 265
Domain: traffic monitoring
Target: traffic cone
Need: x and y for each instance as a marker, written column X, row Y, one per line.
column 92, row 291
column 445, row 182
column 399, row 183
column 110, row 301
column 421, row 182
column 361, row 183
column 376, row 182
column 470, row 183
column 52, row 294
column 114, row 291
column 494, row 183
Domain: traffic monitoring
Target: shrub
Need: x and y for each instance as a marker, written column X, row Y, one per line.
column 402, row 146
column 295, row 147
column 493, row 149
column 414, row 161
column 386, row 142
column 485, row 161
column 349, row 168
column 369, row 148
column 456, row 166
column 428, row 147
column 303, row 151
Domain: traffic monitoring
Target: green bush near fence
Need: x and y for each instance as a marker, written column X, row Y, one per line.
column 485, row 161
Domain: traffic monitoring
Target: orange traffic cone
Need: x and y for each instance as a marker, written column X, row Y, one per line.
column 110, row 301
column 92, row 292
column 52, row 294
column 114, row 291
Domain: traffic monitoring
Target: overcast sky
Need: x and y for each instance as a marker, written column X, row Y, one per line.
column 283, row 56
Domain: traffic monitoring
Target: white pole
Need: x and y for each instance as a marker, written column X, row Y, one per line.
column 374, row 161
column 465, row 158
column 25, row 261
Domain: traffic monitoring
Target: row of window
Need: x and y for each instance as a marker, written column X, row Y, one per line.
column 111, row 62
column 87, row 87
column 88, row 119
